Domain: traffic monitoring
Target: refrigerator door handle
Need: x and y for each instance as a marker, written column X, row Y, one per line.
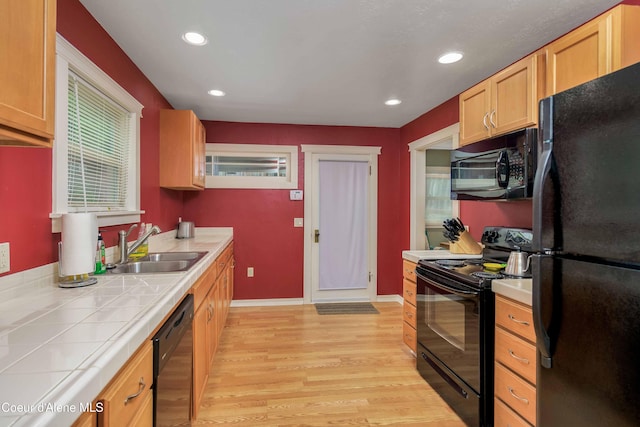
column 543, row 172
column 543, row 340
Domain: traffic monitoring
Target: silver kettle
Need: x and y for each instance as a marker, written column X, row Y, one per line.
column 518, row 263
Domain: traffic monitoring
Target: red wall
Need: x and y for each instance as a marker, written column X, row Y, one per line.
column 25, row 173
column 263, row 219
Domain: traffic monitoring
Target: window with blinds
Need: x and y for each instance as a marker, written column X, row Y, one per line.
column 99, row 132
column 96, row 151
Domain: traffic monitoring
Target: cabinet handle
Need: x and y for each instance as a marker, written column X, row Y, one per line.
column 491, row 119
column 522, row 399
column 409, row 315
column 518, row 358
column 134, row 395
column 522, row 322
column 410, row 293
column 484, row 121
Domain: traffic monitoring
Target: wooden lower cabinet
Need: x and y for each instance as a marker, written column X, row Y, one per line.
column 212, row 293
column 409, row 334
column 515, row 364
column 87, row 419
column 128, row 399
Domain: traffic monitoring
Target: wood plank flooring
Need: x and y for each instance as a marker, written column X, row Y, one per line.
column 289, row 366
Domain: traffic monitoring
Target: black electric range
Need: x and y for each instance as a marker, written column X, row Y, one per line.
column 456, row 320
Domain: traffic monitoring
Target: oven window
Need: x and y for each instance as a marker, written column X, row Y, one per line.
column 446, row 317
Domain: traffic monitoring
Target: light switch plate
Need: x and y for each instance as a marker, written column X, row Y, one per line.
column 295, row 195
column 5, row 264
column 298, row 222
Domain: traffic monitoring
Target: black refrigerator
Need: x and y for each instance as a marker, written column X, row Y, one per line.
column 586, row 269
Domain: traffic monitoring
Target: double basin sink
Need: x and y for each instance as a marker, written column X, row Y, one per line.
column 159, row 262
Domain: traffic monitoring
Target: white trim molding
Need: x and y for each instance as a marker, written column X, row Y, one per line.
column 445, row 139
column 290, row 181
column 313, row 153
column 70, row 58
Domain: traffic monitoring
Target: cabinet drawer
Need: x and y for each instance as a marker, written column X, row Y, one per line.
column 515, row 317
column 202, row 286
column 409, row 270
column 516, row 354
column 516, row 393
column 505, row 417
column 409, row 292
column 409, row 336
column 409, row 314
column 127, row 393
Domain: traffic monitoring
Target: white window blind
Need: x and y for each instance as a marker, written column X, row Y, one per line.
column 99, row 134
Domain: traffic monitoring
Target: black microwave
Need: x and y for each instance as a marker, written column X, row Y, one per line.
column 500, row 168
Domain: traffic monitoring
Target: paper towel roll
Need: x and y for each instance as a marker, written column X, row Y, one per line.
column 79, row 242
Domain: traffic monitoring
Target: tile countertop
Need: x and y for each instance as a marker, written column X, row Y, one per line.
column 60, row 347
column 516, row 289
column 417, row 255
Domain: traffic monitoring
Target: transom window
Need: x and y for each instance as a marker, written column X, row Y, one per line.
column 251, row 166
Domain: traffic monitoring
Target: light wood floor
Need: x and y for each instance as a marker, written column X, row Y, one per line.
column 288, row 366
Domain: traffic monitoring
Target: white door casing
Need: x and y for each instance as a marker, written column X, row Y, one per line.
column 314, row 154
column 446, row 138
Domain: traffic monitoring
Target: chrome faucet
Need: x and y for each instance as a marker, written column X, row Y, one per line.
column 125, row 250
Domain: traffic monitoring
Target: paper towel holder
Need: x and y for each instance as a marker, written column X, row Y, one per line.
column 77, row 249
column 74, row 280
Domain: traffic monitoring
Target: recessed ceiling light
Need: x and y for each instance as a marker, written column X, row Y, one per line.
column 194, row 38
column 216, row 92
column 450, row 58
column 392, row 101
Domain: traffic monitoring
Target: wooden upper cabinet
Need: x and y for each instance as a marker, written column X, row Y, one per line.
column 474, row 113
column 182, row 150
column 27, row 74
column 603, row 45
column 505, row 102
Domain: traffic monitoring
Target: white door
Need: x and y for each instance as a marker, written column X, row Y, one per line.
column 341, row 223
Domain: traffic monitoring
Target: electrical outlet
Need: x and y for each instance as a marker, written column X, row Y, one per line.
column 5, row 264
column 298, row 222
column 249, row 271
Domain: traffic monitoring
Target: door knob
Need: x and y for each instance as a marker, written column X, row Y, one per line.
column 316, row 235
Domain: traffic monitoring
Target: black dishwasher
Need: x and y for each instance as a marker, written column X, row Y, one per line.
column 172, row 367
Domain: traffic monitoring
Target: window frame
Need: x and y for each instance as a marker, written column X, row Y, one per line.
column 69, row 58
column 289, row 181
column 437, row 172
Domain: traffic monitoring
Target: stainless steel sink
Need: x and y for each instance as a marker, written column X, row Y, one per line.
column 173, row 256
column 159, row 262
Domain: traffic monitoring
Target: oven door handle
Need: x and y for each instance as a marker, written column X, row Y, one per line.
column 465, row 293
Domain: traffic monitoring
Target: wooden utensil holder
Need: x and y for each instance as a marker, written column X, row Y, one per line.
column 465, row 245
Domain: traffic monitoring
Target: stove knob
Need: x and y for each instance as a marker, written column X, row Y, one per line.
column 490, row 236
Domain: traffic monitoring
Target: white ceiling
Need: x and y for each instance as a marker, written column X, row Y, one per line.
column 330, row 62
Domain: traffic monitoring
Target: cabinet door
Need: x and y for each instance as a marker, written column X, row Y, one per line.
column 200, row 355
column 474, row 113
column 27, row 45
column 582, row 55
column 181, row 150
column 514, row 97
column 212, row 324
column 199, row 148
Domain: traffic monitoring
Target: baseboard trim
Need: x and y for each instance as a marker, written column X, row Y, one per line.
column 298, row 301
column 266, row 302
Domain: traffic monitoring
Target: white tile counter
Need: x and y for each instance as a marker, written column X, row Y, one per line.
column 417, row 255
column 60, row 347
column 516, row 289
